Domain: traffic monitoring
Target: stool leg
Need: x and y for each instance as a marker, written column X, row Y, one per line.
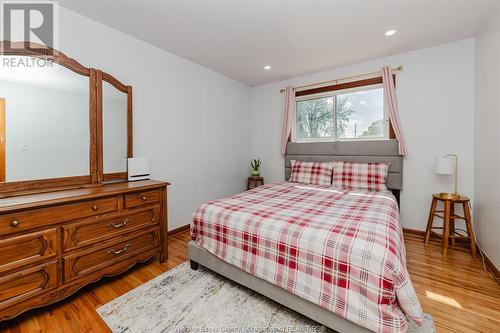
column 446, row 226
column 452, row 224
column 429, row 221
column 470, row 231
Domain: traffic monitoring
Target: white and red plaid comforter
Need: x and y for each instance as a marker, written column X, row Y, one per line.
column 342, row 251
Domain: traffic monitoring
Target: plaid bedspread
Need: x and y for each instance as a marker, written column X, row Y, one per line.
column 342, row 251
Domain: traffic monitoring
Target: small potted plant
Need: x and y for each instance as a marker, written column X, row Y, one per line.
column 256, row 163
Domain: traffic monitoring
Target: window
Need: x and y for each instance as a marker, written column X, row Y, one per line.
column 344, row 114
column 315, row 118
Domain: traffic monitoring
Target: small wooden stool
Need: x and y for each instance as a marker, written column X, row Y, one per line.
column 254, row 182
column 449, row 217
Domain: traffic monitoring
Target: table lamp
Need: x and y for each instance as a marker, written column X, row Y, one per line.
column 448, row 165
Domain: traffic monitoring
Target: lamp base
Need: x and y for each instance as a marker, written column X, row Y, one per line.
column 449, row 195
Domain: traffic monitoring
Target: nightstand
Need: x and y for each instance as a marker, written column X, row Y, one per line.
column 449, row 218
column 254, row 182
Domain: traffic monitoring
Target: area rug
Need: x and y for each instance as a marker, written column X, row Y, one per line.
column 183, row 300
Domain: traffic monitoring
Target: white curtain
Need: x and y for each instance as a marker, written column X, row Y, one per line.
column 288, row 110
column 392, row 106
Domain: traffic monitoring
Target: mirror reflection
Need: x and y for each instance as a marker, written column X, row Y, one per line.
column 114, row 123
column 44, row 122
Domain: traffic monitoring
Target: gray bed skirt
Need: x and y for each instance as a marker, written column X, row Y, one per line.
column 198, row 255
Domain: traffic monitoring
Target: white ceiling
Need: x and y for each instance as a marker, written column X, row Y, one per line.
column 239, row 37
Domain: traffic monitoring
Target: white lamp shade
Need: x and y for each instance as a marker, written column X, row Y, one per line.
column 444, row 165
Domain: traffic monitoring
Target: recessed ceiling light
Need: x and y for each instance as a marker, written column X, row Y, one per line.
column 267, row 67
column 390, row 32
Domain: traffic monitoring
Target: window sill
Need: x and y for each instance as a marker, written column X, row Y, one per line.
column 340, row 140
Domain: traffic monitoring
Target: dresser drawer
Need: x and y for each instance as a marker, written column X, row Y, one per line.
column 94, row 259
column 141, row 198
column 27, row 249
column 24, row 220
column 27, row 283
column 88, row 232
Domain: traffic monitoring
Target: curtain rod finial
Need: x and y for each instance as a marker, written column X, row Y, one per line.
column 400, row 68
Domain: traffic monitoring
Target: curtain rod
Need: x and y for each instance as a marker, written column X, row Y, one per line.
column 397, row 69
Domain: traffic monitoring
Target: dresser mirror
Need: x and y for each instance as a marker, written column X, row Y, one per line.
column 45, row 113
column 114, row 131
column 116, row 127
column 62, row 125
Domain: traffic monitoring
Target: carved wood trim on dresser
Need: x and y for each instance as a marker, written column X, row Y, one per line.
column 52, row 244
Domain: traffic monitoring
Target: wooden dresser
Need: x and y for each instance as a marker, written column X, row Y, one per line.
column 52, row 244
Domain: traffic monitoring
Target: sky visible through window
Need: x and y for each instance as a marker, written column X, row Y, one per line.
column 368, row 109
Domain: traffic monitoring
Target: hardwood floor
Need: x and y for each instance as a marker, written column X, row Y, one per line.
column 457, row 292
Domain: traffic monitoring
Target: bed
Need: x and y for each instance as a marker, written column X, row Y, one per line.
column 335, row 256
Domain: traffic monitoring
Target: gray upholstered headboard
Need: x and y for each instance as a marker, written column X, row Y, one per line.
column 351, row 151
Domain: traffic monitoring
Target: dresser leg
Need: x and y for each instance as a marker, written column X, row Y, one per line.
column 194, row 265
column 164, row 251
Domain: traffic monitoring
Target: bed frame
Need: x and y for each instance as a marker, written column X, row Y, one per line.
column 351, row 151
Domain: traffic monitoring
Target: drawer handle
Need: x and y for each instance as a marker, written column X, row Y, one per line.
column 14, row 223
column 143, row 198
column 94, row 207
column 119, row 225
column 117, row 252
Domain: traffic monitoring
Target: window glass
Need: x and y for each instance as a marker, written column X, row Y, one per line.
column 314, row 118
column 354, row 114
column 360, row 114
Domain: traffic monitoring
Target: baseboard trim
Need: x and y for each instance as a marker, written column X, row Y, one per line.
column 490, row 266
column 176, row 231
column 434, row 235
column 414, row 231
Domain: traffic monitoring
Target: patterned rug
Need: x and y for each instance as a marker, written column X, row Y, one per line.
column 183, row 300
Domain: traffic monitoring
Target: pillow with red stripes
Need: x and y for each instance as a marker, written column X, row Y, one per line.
column 352, row 175
column 313, row 173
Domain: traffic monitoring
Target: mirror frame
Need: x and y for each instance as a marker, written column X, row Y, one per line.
column 101, row 77
column 96, row 176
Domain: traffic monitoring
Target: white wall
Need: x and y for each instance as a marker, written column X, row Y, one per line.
column 436, row 102
column 193, row 123
column 487, row 139
column 47, row 134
